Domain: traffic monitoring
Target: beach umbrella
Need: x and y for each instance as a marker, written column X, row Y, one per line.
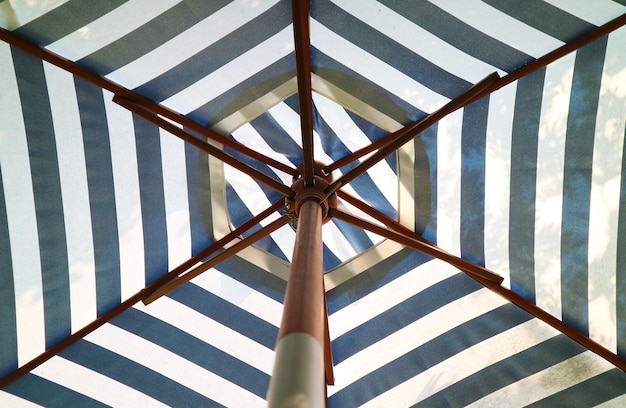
column 382, row 203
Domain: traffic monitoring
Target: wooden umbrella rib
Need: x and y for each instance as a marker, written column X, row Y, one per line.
column 377, row 215
column 208, row 133
column 418, row 245
column 495, row 286
column 521, row 72
column 300, row 14
column 136, row 298
column 559, row 325
column 560, row 52
column 411, row 131
column 365, row 150
column 206, row 147
column 148, row 104
column 222, row 256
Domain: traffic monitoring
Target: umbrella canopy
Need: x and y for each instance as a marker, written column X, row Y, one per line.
column 102, row 204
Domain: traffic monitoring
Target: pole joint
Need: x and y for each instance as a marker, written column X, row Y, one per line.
column 315, row 192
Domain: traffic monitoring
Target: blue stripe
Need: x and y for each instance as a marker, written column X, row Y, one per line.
column 150, row 170
column 429, row 354
column 384, row 48
column 620, row 278
column 227, row 314
column 330, row 260
column 363, row 89
column 132, row 374
column 199, row 196
column 590, row 393
column 459, row 34
column 577, row 183
column 544, row 17
column 101, row 194
column 233, row 45
column 254, row 277
column 425, row 184
column 373, row 133
column 8, row 325
column 357, row 238
column 149, row 36
column 474, row 137
column 505, row 372
column 402, row 315
column 65, row 19
column 49, row 394
column 524, row 142
column 246, row 92
column 375, row 277
column 44, row 168
column 194, row 350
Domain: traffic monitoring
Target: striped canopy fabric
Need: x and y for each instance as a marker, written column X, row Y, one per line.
column 98, row 203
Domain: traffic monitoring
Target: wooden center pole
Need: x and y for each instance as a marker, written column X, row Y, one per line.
column 298, row 379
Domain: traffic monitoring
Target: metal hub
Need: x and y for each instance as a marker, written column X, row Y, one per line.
column 321, row 181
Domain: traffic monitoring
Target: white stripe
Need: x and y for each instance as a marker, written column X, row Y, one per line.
column 388, row 296
column 289, row 120
column 500, row 26
column 109, row 28
column 498, row 180
column 93, row 384
column 173, row 366
column 354, row 138
column 75, row 193
column 364, row 262
column 189, row 43
column 22, row 223
column 248, row 135
column 605, row 194
column 127, row 198
column 449, row 182
column 386, row 181
column 414, row 335
column 418, row 40
column 337, row 242
column 240, row 295
column 617, row 402
column 17, row 13
column 341, row 123
column 211, row 332
column 12, row 401
column 176, row 198
column 464, row 364
column 232, row 73
column 595, row 12
column 549, row 192
column 374, row 69
column 546, row 382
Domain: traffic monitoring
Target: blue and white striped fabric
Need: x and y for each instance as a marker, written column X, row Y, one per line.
column 95, row 203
